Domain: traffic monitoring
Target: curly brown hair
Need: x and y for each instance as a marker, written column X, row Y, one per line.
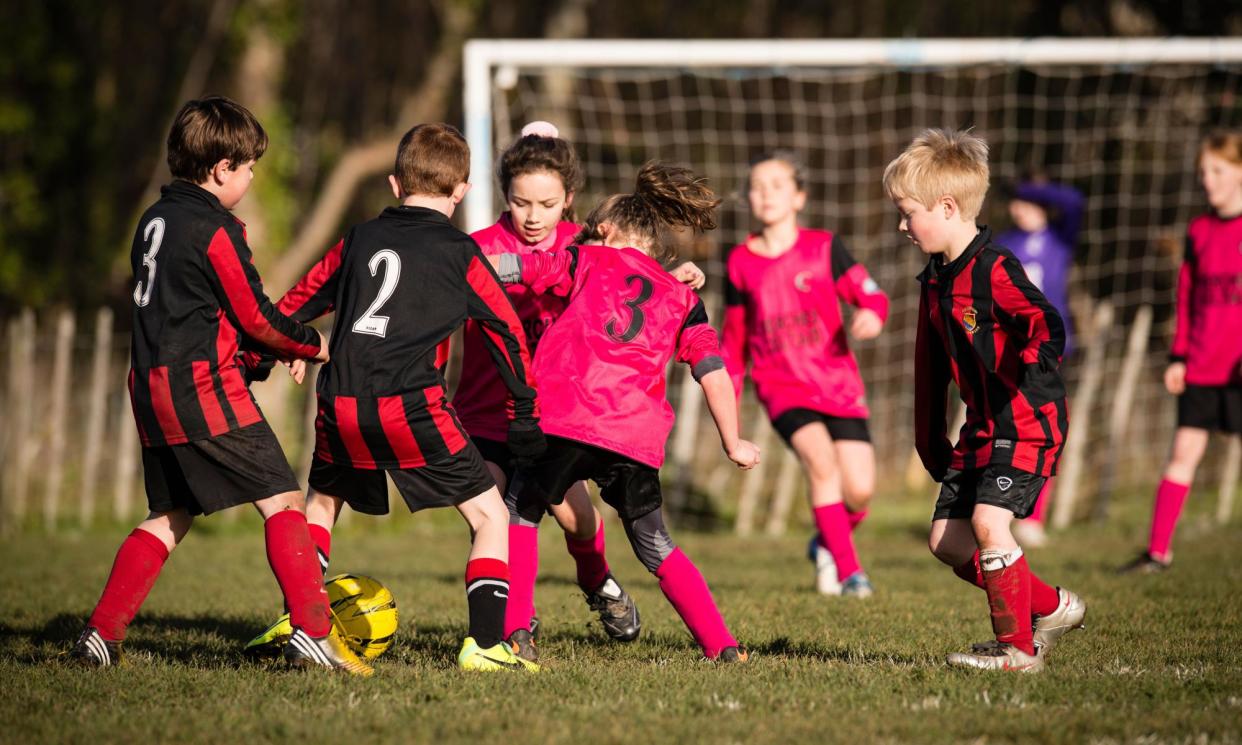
column 665, row 197
column 534, row 153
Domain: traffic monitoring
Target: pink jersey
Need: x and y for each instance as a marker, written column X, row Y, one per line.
column 783, row 315
column 1209, row 302
column 481, row 397
column 601, row 365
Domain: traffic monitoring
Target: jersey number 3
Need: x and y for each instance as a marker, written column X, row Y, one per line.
column 637, row 318
column 370, row 323
column 153, row 232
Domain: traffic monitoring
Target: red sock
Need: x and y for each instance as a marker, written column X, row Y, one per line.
column 134, row 571
column 1041, row 503
column 291, row 555
column 1009, row 601
column 834, row 533
column 523, row 570
column 685, row 588
column 856, row 518
column 589, row 556
column 1170, row 497
column 322, row 538
column 1044, row 597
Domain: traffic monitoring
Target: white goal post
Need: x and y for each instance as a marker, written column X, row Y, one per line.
column 486, row 59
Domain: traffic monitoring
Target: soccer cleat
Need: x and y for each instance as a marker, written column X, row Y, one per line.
column 534, row 626
column 271, row 642
column 997, row 656
column 730, row 655
column 1069, row 615
column 1144, row 563
column 523, row 644
column 616, row 609
column 93, row 650
column 495, row 658
column 826, row 580
column 304, row 650
column 857, row 585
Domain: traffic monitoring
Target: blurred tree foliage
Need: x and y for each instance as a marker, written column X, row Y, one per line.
column 87, row 90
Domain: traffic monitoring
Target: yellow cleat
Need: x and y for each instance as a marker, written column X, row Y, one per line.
column 272, row 641
column 492, row 659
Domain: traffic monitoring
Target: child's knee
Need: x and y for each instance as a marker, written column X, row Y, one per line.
column 650, row 540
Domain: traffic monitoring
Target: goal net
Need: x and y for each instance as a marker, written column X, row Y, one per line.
column 1118, row 120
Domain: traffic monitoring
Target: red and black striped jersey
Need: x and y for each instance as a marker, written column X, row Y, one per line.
column 985, row 326
column 400, row 284
column 196, row 292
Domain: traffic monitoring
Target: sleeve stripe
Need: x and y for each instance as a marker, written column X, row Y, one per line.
column 311, row 285
column 227, row 264
column 499, row 304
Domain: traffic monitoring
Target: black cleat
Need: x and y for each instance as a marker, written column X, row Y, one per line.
column 534, row 626
column 733, row 654
column 616, row 610
column 92, row 650
column 1144, row 563
column 523, row 643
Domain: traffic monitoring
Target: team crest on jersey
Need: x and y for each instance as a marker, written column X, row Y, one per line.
column 802, row 281
column 970, row 319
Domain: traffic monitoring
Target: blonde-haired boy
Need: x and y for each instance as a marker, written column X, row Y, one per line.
column 985, row 326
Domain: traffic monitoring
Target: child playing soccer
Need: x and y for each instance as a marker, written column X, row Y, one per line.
column 1046, row 218
column 1205, row 370
column 206, row 445
column 400, row 284
column 782, row 313
column 605, row 359
column 539, row 175
column 985, row 326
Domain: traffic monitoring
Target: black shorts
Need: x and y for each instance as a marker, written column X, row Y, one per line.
column 839, row 427
column 629, row 487
column 210, row 475
column 496, row 452
column 445, row 484
column 999, row 486
column 1211, row 407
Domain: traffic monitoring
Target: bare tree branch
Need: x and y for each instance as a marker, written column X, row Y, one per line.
column 427, row 103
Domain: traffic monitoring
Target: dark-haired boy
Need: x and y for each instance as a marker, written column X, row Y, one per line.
column 400, row 284
column 206, row 445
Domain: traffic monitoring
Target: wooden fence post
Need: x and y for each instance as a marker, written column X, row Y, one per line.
column 786, row 487
column 126, row 460
column 54, row 471
column 752, row 484
column 96, row 416
column 1084, row 404
column 21, row 444
column 1229, row 479
column 1123, row 404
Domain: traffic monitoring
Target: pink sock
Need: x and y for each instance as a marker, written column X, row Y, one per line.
column 523, row 566
column 1041, row 503
column 1169, row 500
column 686, row 589
column 834, row 533
column 589, row 556
column 856, row 518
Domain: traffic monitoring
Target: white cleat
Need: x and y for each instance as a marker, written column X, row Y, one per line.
column 1068, row 616
column 826, row 580
column 997, row 656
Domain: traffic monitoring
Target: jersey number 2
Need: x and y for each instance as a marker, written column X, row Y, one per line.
column 370, row 323
column 153, row 232
column 637, row 318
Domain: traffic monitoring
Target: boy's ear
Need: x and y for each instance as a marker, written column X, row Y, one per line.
column 459, row 192
column 396, row 186
column 219, row 171
column 949, row 205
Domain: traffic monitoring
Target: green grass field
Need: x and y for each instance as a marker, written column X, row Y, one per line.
column 1158, row 662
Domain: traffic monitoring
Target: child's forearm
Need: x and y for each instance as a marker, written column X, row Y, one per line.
column 722, row 404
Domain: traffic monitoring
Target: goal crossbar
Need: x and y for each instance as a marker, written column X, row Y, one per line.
column 483, row 58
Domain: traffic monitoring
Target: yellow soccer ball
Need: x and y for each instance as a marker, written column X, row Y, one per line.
column 365, row 613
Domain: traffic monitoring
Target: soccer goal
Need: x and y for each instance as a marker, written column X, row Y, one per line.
column 1118, row 119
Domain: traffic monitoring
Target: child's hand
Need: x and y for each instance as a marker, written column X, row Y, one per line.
column 1175, row 378
column 689, row 274
column 866, row 325
column 297, row 370
column 323, row 348
column 745, row 454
